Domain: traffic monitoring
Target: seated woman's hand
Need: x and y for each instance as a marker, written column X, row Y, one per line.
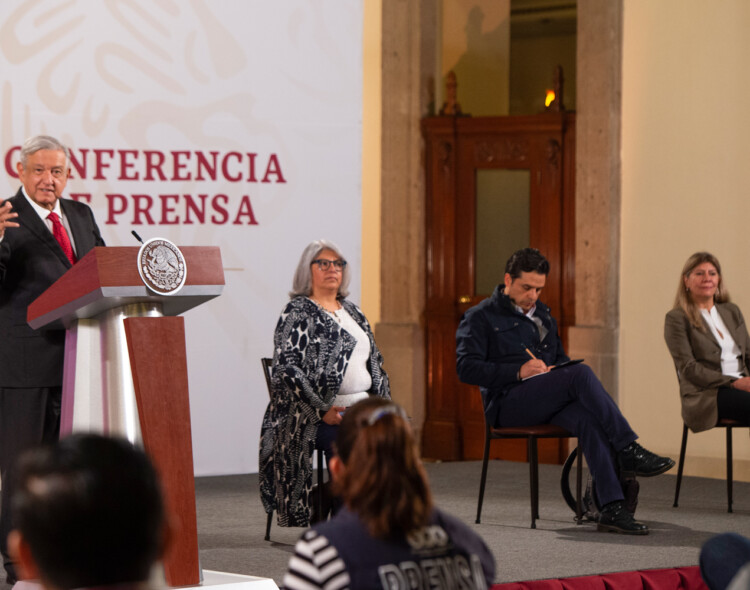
column 743, row 383
column 332, row 416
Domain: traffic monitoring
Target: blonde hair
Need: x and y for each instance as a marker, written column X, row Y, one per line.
column 684, row 300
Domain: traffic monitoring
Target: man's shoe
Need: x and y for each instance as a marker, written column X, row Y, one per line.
column 614, row 518
column 634, row 461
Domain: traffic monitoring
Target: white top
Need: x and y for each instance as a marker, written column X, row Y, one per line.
column 730, row 353
column 357, row 379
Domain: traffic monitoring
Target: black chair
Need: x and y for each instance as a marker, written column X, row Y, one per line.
column 726, row 424
column 531, row 434
column 267, row 362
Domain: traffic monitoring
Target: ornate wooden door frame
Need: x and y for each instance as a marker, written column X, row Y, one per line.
column 455, row 148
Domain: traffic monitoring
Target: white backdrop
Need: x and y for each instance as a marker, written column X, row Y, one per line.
column 223, row 122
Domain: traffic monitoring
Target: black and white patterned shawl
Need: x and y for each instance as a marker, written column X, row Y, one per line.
column 311, row 354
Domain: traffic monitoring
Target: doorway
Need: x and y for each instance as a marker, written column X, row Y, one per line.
column 494, row 185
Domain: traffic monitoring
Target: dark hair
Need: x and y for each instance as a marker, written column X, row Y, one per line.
column 384, row 482
column 90, row 509
column 526, row 260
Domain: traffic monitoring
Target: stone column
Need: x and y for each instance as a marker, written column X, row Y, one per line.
column 597, row 260
column 409, row 36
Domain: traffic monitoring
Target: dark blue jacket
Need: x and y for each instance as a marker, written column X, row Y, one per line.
column 491, row 343
column 445, row 554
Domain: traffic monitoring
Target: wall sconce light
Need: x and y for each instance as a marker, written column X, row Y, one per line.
column 554, row 99
column 550, row 98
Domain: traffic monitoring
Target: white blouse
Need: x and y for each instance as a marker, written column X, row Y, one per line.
column 357, row 380
column 730, row 353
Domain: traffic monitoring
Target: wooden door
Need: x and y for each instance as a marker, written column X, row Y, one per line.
column 536, row 154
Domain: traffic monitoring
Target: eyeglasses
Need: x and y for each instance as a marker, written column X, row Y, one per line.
column 324, row 264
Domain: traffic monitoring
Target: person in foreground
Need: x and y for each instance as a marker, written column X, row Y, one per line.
column 325, row 359
column 88, row 513
column 725, row 562
column 388, row 534
column 42, row 235
column 708, row 340
column 510, row 337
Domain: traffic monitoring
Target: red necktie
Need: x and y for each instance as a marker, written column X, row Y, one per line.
column 62, row 237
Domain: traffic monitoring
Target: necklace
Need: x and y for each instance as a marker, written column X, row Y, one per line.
column 332, row 312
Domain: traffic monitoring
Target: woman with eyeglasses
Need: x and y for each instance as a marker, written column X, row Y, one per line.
column 388, row 534
column 325, row 360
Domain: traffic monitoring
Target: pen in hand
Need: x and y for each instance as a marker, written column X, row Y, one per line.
column 539, row 366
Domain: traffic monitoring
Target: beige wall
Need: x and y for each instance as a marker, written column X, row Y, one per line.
column 371, row 121
column 684, row 120
column 476, row 45
column 684, row 188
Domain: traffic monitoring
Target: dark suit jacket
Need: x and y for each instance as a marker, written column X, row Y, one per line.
column 697, row 358
column 30, row 261
column 491, row 344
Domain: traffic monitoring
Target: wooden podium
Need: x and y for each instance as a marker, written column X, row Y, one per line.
column 126, row 370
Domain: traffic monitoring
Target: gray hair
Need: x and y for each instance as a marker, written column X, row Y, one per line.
column 42, row 142
column 302, row 283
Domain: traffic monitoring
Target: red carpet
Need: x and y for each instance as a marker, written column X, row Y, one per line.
column 682, row 578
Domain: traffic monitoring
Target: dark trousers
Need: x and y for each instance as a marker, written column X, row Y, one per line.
column 734, row 404
column 28, row 417
column 325, row 438
column 573, row 398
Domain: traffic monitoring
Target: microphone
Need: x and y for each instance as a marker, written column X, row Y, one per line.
column 137, row 237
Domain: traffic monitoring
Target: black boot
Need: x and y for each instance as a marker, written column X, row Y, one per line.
column 634, row 461
column 616, row 519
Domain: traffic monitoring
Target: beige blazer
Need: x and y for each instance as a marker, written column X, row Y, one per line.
column 697, row 358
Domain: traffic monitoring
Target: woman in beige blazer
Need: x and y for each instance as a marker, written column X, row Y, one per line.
column 709, row 342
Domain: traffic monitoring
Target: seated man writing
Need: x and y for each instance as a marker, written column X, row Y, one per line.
column 510, row 337
column 88, row 513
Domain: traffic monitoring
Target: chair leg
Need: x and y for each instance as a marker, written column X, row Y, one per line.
column 534, row 480
column 681, row 464
column 484, row 476
column 321, row 468
column 729, row 468
column 268, row 527
column 579, row 485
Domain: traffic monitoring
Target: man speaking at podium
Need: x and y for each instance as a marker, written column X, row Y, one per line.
column 41, row 236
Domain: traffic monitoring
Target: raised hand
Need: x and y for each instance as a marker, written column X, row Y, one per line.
column 7, row 215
